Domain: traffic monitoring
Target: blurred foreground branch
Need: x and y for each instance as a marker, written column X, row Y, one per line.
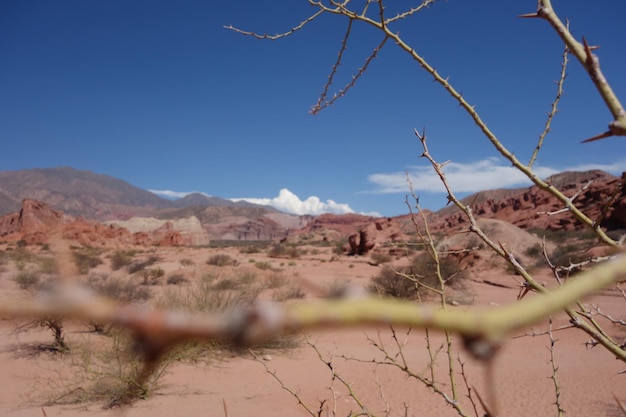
column 159, row 330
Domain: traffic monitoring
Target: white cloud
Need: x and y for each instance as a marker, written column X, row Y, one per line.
column 291, row 203
column 486, row 174
column 175, row 194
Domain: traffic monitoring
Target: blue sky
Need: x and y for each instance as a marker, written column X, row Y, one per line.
column 161, row 95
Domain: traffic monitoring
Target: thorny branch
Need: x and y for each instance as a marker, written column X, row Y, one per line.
column 581, row 51
column 591, row 63
column 591, row 327
column 554, row 107
column 260, row 321
column 555, row 369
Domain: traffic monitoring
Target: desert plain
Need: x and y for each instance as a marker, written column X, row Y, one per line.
column 332, row 372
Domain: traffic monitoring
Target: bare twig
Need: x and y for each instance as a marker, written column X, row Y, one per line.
column 555, row 369
column 554, row 108
column 591, row 63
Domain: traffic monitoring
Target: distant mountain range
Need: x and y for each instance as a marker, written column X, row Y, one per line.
column 97, row 196
column 104, row 198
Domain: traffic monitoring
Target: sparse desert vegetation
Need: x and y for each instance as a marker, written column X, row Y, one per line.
column 467, row 314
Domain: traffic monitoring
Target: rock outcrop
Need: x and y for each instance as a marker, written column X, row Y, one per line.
column 37, row 223
column 534, row 208
column 176, row 232
column 377, row 232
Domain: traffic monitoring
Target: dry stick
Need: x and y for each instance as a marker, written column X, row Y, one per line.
column 286, row 387
column 553, row 109
column 467, row 386
column 429, row 383
column 411, row 11
column 381, row 393
column 278, row 35
column 592, row 70
column 333, row 71
column 441, row 291
column 592, row 328
column 335, row 376
column 617, row 192
column 591, row 64
column 263, row 320
column 426, row 241
column 571, row 199
column 555, row 368
column 319, row 106
column 582, row 52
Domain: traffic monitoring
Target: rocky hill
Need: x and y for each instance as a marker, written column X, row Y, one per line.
column 37, row 222
column 93, row 196
column 78, row 193
column 533, row 208
column 199, row 219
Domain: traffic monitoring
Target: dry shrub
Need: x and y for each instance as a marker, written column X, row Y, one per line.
column 263, row 266
column 276, row 280
column 117, row 288
column 187, row 262
column 28, row 280
column 280, row 250
column 107, row 371
column 52, row 323
column 152, row 276
column 33, row 284
column 177, row 279
column 121, row 258
column 292, row 292
column 221, row 259
column 86, row 260
column 141, row 265
column 414, row 281
column 380, row 257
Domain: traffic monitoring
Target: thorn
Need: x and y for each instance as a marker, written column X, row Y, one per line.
column 474, row 200
column 489, row 414
column 529, row 15
column 524, row 289
column 606, row 134
column 225, row 407
column 589, row 48
column 587, row 51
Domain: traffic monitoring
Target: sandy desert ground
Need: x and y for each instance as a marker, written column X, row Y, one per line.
column 588, row 378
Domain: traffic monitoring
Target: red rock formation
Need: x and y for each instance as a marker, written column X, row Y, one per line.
column 38, row 223
column 537, row 209
column 378, row 231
